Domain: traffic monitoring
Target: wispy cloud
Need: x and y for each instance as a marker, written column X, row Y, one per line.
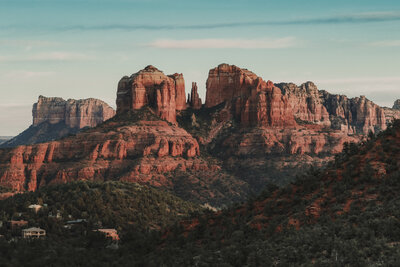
column 338, row 19
column 46, row 56
column 387, row 43
column 225, row 43
column 24, row 43
column 27, row 45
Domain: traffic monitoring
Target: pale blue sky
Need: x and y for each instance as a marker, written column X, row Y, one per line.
column 79, row 49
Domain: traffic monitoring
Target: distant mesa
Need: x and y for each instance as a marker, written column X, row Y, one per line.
column 73, row 113
column 54, row 117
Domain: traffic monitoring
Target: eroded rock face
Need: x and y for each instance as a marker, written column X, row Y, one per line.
column 151, row 87
column 194, row 101
column 351, row 115
column 355, row 115
column 132, row 153
column 74, row 113
column 396, row 104
column 392, row 113
column 54, row 118
column 254, row 101
column 306, row 102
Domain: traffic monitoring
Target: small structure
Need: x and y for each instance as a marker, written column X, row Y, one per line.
column 57, row 215
column 35, row 207
column 18, row 224
column 70, row 224
column 77, row 221
column 110, row 233
column 33, row 232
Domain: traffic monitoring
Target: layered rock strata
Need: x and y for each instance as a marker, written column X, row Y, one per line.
column 351, row 115
column 54, row 118
column 392, row 113
column 151, row 87
column 254, row 101
column 132, row 153
column 73, row 113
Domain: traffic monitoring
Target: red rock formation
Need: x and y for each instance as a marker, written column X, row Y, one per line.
column 355, row 115
column 396, row 104
column 350, row 115
column 306, row 103
column 254, row 101
column 180, row 95
column 132, row 153
column 74, row 113
column 54, row 118
column 194, row 100
column 392, row 113
column 151, row 87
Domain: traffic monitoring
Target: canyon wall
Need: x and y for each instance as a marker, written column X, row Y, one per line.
column 254, row 101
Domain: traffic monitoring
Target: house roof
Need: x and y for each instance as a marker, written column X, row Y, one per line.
column 107, row 230
column 34, row 206
column 32, row 229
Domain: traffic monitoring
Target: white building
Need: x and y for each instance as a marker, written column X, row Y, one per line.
column 33, row 232
column 35, row 207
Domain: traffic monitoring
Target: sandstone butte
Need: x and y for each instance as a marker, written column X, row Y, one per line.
column 74, row 113
column 255, row 102
column 54, row 118
column 139, row 151
column 257, row 127
column 152, row 87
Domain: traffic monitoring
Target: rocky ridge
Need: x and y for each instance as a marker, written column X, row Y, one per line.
column 396, row 104
column 54, row 118
column 248, row 132
column 393, row 113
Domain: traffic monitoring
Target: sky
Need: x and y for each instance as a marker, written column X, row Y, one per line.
column 81, row 48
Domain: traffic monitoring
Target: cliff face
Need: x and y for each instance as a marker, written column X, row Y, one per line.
column 392, row 113
column 268, row 132
column 306, row 102
column 74, row 113
column 351, row 115
column 253, row 131
column 151, row 87
column 254, row 101
column 131, row 153
column 355, row 115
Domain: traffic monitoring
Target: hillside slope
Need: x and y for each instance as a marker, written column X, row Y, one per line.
column 72, row 212
column 343, row 215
